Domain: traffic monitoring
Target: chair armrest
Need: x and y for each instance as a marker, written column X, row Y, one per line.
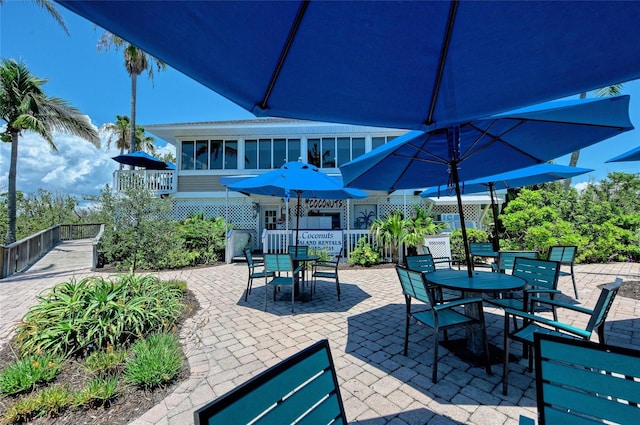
column 542, row 291
column 330, row 264
column 526, row 421
column 456, row 303
column 560, row 304
column 549, row 322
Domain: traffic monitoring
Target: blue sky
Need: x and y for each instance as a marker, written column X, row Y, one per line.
column 99, row 86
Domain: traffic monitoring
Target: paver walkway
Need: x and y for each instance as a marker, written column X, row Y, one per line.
column 230, row 340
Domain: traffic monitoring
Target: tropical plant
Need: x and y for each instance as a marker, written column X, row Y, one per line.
column 24, row 106
column 390, row 231
column 419, row 226
column 363, row 254
column 136, row 61
column 118, row 132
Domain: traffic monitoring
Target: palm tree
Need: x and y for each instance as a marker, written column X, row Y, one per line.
column 24, row 106
column 390, row 231
column 118, row 130
column 119, row 133
column 136, row 61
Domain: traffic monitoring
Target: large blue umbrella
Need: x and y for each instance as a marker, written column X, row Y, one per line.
column 401, row 64
column 496, row 144
column 299, row 179
column 536, row 174
column 632, row 155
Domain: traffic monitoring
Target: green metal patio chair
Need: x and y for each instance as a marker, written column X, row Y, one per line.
column 440, row 317
column 566, row 256
column 284, row 274
column 532, row 323
column 425, row 263
column 542, row 279
column 327, row 269
column 256, row 271
column 506, row 259
column 579, row 382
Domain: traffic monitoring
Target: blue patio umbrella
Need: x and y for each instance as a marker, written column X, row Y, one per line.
column 418, row 65
column 496, row 144
column 632, row 155
column 144, row 160
column 536, row 174
column 299, row 179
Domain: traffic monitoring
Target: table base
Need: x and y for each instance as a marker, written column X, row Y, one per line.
column 459, row 348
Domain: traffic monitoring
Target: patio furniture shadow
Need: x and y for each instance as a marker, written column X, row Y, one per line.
column 323, row 301
column 414, row 416
column 377, row 337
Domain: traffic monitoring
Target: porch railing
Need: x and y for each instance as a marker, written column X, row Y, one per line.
column 19, row 255
column 161, row 182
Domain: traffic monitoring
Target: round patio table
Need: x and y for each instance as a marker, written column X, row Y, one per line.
column 480, row 282
column 297, row 259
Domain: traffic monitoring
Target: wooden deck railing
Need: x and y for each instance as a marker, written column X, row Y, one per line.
column 161, row 182
column 21, row 254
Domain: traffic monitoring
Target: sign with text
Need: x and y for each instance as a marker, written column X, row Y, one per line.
column 318, row 239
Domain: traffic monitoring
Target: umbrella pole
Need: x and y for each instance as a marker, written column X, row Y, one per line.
column 297, row 218
column 494, row 208
column 463, row 227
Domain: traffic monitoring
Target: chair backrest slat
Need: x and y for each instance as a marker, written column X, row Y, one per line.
column 298, row 250
column 278, row 263
column 480, row 247
column 563, row 254
column 583, row 382
column 413, row 285
column 302, row 389
column 537, row 273
column 421, row 263
column 506, row 259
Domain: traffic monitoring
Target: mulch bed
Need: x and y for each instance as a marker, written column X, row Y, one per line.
column 130, row 403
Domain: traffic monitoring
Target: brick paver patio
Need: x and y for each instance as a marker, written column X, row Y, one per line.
column 230, row 340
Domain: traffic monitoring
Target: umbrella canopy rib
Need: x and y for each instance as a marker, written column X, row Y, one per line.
column 283, row 56
column 441, row 62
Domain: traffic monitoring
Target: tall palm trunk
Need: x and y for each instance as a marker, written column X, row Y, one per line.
column 11, row 195
column 132, row 124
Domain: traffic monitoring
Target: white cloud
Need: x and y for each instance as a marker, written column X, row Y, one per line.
column 77, row 169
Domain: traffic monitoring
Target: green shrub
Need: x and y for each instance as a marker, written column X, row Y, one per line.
column 97, row 392
column 364, row 255
column 47, row 402
column 25, row 373
column 157, row 360
column 96, row 313
column 105, row 363
column 457, row 245
column 323, row 253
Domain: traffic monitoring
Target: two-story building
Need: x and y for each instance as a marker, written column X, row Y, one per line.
column 207, row 152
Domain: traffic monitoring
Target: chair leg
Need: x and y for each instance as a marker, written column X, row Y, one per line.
column 406, row 335
column 436, row 337
column 573, row 279
column 338, row 287
column 248, row 291
column 505, row 365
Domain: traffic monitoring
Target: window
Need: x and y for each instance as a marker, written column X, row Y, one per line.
column 251, row 154
column 202, row 155
column 264, row 154
column 279, row 152
column 344, row 150
column 188, row 150
column 328, row 152
column 293, row 149
column 313, row 155
column 357, row 147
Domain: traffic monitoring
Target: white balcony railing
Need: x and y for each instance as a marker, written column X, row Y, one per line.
column 161, row 182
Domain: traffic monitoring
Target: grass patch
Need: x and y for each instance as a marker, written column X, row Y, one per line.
column 156, row 361
column 25, row 373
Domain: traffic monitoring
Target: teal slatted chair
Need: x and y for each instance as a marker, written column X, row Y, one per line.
column 542, row 279
column 302, row 389
column 440, row 317
column 256, row 271
column 283, row 274
column 326, row 270
column 482, row 250
column 506, row 259
column 532, row 323
column 565, row 255
column 579, row 382
column 425, row 263
column 299, row 251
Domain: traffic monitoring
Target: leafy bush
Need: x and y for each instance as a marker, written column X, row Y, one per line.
column 323, row 253
column 363, row 254
column 156, row 360
column 25, row 373
column 96, row 313
column 457, row 245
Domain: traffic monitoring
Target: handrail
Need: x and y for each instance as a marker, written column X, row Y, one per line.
column 21, row 254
